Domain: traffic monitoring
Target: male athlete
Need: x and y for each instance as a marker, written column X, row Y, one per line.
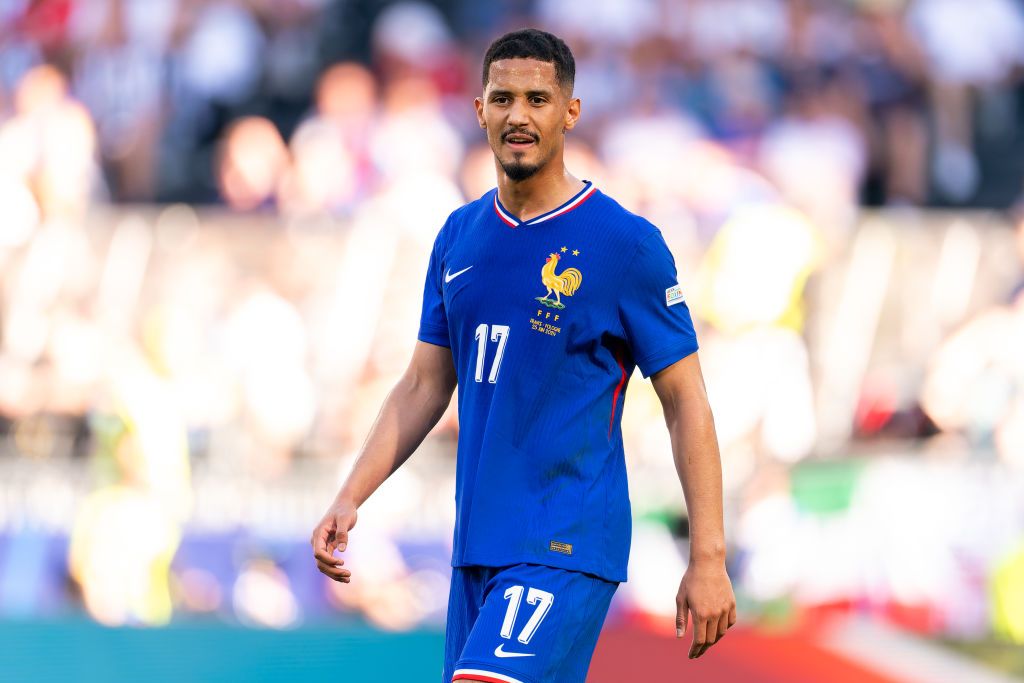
column 540, row 299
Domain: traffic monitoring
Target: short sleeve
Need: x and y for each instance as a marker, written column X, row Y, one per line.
column 652, row 310
column 434, row 319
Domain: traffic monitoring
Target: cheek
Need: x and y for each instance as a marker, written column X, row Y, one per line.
column 555, row 125
column 551, row 137
column 495, row 124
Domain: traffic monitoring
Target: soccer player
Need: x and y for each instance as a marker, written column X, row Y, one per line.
column 540, row 299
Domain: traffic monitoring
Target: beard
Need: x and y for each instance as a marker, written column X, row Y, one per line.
column 517, row 170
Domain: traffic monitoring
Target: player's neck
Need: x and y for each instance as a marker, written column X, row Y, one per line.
column 543, row 191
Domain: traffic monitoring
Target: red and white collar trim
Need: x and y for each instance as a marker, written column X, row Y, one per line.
column 576, row 200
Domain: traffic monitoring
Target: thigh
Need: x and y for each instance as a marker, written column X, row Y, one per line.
column 537, row 624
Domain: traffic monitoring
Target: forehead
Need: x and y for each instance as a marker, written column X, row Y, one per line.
column 521, row 74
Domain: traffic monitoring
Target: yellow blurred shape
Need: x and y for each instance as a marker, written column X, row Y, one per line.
column 756, row 268
column 121, row 550
column 1007, row 596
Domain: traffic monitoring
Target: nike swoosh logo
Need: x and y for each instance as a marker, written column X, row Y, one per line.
column 449, row 276
column 498, row 652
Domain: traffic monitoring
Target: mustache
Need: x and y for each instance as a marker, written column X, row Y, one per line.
column 512, row 131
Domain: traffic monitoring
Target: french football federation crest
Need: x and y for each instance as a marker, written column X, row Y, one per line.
column 566, row 282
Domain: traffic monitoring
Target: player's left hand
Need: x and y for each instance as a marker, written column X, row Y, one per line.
column 706, row 592
column 332, row 534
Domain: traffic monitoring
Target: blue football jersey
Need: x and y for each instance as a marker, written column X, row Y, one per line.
column 546, row 320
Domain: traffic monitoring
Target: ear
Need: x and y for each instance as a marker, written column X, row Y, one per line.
column 572, row 114
column 478, row 103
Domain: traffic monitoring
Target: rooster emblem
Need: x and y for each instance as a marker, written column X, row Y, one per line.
column 566, row 282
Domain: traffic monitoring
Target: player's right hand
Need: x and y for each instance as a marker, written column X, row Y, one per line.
column 332, row 534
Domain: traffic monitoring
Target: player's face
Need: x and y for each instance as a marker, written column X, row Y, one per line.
column 525, row 113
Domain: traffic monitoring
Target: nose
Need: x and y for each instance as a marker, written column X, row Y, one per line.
column 517, row 113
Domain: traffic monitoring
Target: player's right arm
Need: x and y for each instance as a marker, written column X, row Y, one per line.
column 409, row 412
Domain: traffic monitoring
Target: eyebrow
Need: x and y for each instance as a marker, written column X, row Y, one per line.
column 529, row 93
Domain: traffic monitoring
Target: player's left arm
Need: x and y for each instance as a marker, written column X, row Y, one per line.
column 705, row 589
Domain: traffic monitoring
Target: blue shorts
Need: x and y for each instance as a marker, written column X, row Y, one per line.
column 523, row 624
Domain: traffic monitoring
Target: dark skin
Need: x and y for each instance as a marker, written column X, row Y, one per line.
column 526, row 114
column 705, row 591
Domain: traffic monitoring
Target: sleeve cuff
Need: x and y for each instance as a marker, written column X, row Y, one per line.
column 662, row 359
column 434, row 335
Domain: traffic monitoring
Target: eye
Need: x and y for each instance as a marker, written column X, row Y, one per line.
column 537, row 100
column 500, row 99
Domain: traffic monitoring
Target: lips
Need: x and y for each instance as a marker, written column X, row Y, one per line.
column 519, row 139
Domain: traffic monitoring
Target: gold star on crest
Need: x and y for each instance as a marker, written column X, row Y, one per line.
column 564, row 249
column 575, row 252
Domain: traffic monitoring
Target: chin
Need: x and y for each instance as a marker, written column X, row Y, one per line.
column 519, row 167
column 518, row 170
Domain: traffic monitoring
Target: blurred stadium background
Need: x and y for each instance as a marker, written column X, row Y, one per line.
column 216, row 220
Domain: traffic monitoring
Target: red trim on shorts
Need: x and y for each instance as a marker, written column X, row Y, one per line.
column 477, row 677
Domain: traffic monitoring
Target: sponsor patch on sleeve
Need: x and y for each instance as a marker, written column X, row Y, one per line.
column 673, row 295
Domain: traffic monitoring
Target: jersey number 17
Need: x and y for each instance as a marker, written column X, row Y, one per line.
column 499, row 334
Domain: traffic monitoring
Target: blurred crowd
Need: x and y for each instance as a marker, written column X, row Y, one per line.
column 313, row 105
column 217, row 217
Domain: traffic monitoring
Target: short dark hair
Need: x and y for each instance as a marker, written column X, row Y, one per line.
column 533, row 43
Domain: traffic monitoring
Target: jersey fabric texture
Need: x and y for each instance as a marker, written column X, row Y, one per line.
column 523, row 624
column 546, row 320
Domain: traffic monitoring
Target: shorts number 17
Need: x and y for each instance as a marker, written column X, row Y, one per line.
column 535, row 596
